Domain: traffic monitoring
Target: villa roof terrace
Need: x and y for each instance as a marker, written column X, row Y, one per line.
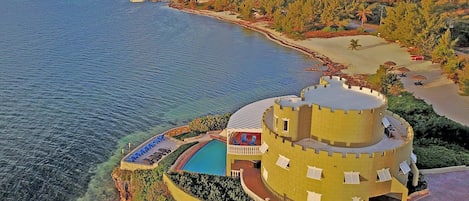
column 337, row 95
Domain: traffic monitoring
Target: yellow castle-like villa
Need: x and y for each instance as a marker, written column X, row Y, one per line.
column 334, row 142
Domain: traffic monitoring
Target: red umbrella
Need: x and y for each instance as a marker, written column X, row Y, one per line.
column 403, row 71
column 390, row 63
column 419, row 77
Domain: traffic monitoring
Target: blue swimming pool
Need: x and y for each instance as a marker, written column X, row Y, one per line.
column 210, row 159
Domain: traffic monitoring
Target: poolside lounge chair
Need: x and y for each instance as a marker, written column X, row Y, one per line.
column 253, row 140
column 244, row 137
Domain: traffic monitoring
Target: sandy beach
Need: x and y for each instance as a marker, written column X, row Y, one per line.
column 437, row 90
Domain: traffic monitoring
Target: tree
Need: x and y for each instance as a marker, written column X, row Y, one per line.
column 219, row 5
column 245, row 9
column 402, row 23
column 464, row 79
column 270, row 6
column 445, row 48
column 354, row 44
column 391, row 84
column 364, row 11
column 376, row 80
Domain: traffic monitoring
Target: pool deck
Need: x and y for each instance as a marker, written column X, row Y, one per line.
column 165, row 144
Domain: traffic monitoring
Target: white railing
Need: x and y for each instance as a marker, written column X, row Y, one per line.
column 243, row 150
column 235, row 173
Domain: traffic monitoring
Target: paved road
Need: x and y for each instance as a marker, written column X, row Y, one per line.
column 451, row 186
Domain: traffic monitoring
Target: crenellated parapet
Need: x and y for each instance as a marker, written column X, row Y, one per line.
column 288, row 145
column 332, row 112
column 286, row 164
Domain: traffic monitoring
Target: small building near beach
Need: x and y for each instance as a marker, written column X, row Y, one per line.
column 333, row 142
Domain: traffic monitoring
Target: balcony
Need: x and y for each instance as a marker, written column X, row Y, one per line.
column 247, row 150
column 242, row 143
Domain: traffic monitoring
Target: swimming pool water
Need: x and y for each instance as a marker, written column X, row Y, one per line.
column 210, row 159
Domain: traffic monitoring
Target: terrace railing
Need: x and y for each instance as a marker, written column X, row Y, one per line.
column 235, row 173
column 243, row 150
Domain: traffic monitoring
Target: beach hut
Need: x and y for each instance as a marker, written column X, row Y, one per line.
column 418, row 79
column 389, row 64
column 402, row 71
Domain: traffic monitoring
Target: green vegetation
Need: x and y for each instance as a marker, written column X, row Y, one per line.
column 186, row 135
column 432, row 28
column 148, row 184
column 210, row 187
column 209, row 123
column 426, row 123
column 387, row 83
column 354, row 44
column 203, row 124
column 435, row 153
column 439, row 141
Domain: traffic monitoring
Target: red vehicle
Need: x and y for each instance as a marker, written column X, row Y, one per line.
column 417, row 57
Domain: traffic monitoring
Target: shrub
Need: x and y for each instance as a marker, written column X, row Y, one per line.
column 210, row 187
column 210, row 122
column 148, row 184
column 328, row 29
column 187, row 135
column 437, row 156
column 426, row 123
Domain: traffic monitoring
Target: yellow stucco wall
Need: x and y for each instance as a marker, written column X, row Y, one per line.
column 293, row 183
column 357, row 128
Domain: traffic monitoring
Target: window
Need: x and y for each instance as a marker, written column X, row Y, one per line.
column 413, row 157
column 385, row 122
column 265, row 174
column 405, row 168
column 283, row 161
column 314, row 173
column 384, row 175
column 312, row 196
column 352, row 177
column 263, row 148
column 285, row 125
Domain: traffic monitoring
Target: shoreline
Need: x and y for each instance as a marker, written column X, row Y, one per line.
column 339, row 60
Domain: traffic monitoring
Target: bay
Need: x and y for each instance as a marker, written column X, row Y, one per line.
column 79, row 79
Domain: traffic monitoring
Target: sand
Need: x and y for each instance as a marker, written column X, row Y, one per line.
column 437, row 90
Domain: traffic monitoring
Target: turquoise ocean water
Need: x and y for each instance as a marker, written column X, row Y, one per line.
column 79, row 79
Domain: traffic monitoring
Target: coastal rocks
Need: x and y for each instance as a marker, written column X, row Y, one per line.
column 122, row 185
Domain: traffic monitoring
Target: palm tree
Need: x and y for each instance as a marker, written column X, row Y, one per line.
column 354, row 44
column 364, row 11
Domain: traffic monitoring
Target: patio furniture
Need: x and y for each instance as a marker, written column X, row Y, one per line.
column 253, row 140
column 244, row 137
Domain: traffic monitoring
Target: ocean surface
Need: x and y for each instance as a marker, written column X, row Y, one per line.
column 79, row 79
